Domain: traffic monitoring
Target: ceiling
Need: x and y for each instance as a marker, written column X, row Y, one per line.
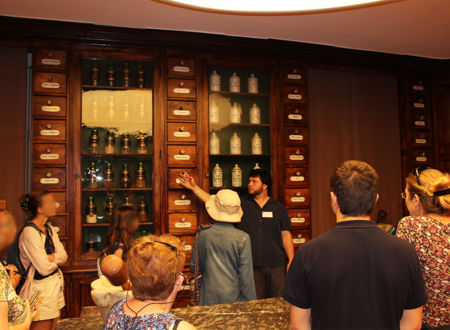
column 411, row 27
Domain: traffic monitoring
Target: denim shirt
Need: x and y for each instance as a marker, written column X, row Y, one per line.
column 225, row 260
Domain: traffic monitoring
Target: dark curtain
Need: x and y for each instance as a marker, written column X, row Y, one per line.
column 13, row 100
column 353, row 116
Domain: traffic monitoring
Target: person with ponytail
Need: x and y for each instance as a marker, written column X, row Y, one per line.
column 41, row 253
column 15, row 313
column 427, row 197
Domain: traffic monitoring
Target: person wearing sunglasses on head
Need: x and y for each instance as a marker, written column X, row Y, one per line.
column 427, row 197
column 154, row 265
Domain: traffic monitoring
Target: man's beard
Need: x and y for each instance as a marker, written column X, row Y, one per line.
column 255, row 192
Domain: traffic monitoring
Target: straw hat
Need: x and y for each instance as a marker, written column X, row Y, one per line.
column 225, row 206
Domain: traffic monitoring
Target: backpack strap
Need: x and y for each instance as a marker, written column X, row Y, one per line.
column 196, row 299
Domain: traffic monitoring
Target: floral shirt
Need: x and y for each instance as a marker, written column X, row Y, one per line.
column 16, row 305
column 118, row 319
column 432, row 241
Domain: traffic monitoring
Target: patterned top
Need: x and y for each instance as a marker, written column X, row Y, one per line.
column 432, row 241
column 118, row 319
column 16, row 314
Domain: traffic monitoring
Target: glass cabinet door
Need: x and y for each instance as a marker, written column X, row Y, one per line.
column 239, row 125
column 116, row 146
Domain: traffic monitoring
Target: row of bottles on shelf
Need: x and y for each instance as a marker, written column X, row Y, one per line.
column 94, row 241
column 236, row 176
column 91, row 209
column 110, row 143
column 235, row 113
column 108, row 176
column 235, row 83
column 235, row 144
column 111, row 75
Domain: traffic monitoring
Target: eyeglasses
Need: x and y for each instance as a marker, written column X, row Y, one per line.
column 172, row 247
column 417, row 172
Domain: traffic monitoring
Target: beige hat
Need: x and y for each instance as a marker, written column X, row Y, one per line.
column 225, row 206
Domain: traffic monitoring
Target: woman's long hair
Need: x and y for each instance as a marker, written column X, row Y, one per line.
column 119, row 230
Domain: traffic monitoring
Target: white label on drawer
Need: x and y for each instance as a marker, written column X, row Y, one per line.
column 53, row 85
column 179, row 90
column 187, row 247
column 183, row 225
column 180, row 202
column 298, row 220
column 51, row 61
column 181, row 157
column 296, row 137
column 421, row 141
column 421, row 159
column 296, row 199
column 295, row 117
column 179, row 68
column 49, row 156
column 186, row 287
column 49, row 132
column 294, row 76
column 295, row 96
column 49, row 180
column 181, row 112
column 296, row 157
column 50, row 108
column 417, row 87
column 181, row 134
column 419, row 123
column 418, row 105
column 297, row 178
column 299, row 240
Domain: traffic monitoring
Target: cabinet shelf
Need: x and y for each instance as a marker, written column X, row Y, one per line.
column 117, row 189
column 241, row 93
column 232, row 188
column 107, row 224
column 237, row 125
column 92, row 87
column 116, row 155
column 238, row 156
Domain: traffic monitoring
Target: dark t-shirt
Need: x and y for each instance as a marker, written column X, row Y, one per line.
column 355, row 276
column 264, row 226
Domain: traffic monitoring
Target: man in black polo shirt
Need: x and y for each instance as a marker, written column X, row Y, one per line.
column 268, row 225
column 355, row 276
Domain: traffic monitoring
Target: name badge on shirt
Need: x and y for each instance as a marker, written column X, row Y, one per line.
column 267, row 214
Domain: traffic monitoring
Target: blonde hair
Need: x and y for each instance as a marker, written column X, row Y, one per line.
column 431, row 181
column 153, row 267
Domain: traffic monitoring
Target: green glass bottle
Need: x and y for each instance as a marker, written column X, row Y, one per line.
column 92, row 176
column 142, row 210
column 109, row 176
column 125, row 177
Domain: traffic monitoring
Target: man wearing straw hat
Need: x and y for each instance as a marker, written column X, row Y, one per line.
column 225, row 255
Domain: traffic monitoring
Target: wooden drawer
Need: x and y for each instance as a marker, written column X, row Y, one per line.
column 181, row 132
column 49, row 106
column 49, row 154
column 49, row 130
column 173, row 175
column 182, row 155
column 49, row 178
column 60, row 222
column 296, row 155
column 181, row 88
column 294, row 95
column 293, row 74
column 295, row 136
column 50, row 58
column 300, row 237
column 300, row 217
column 420, row 139
column 421, row 157
column 295, row 115
column 181, row 110
column 421, row 121
column 296, row 176
column 182, row 223
column 61, row 204
column 188, row 243
column 181, row 67
column 183, row 200
column 46, row 82
column 296, row 198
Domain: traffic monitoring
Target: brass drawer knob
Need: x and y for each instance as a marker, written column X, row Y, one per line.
column 183, row 219
column 49, row 102
column 50, row 54
column 49, row 78
column 183, row 196
column 297, row 194
column 297, row 173
column 181, row 84
column 299, row 215
column 49, row 126
column 297, row 152
column 181, row 62
column 182, row 151
column 297, row 111
column 48, row 174
column 181, row 129
column 181, row 107
column 48, row 150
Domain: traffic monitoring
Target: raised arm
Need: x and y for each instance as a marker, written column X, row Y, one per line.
column 188, row 182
